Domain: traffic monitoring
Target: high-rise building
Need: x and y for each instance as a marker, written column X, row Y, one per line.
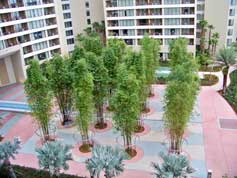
column 28, row 29
column 222, row 14
column 162, row 19
column 37, row 29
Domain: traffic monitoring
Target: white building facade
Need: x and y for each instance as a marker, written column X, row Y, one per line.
column 28, row 30
column 161, row 19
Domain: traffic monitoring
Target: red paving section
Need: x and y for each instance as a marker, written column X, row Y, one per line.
column 24, row 129
column 220, row 144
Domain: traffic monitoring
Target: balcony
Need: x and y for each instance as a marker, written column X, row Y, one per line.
column 143, row 22
column 113, row 32
column 142, row 12
column 18, row 16
column 113, row 23
column 156, row 32
column 189, row 21
column 49, row 11
column 11, row 42
column 48, row 1
column 53, row 42
column 27, row 49
column 51, row 21
column 23, row 39
column 156, row 22
column 18, row 3
column 112, row 14
column 8, row 30
column 4, row 4
column 52, row 32
column 187, row 32
column 188, row 10
column 21, row 27
column 55, row 51
column 33, row 3
column 5, row 17
column 148, row 2
column 111, row 3
column 188, row 1
column 142, row 32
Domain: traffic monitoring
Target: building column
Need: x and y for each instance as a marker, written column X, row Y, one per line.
column 10, row 70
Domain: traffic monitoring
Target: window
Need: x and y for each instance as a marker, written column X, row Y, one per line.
column 233, row 2
column 87, row 4
column 42, row 56
column 38, row 35
column 69, row 33
column 88, row 21
column 70, row 41
column 229, row 42
column 231, row 22
column 230, row 32
column 66, row 6
column 66, row 15
column 87, row 13
column 68, row 24
column 34, row 13
column 172, row 21
column 36, row 24
column 232, row 12
column 172, row 11
column 200, row 16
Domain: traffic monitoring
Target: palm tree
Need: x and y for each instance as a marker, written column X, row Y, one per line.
column 107, row 159
column 210, row 27
column 214, row 42
column 173, row 165
column 7, row 151
column 228, row 57
column 203, row 24
column 53, row 156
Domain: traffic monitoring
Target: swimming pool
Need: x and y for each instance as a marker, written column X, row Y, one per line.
column 163, row 72
column 14, row 106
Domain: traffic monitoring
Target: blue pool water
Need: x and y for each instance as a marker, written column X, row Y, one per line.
column 12, row 106
column 163, row 72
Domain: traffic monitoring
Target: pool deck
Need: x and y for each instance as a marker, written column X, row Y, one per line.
column 208, row 146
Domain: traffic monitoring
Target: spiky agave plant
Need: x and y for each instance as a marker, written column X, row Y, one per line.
column 173, row 165
column 7, row 151
column 53, row 156
column 107, row 159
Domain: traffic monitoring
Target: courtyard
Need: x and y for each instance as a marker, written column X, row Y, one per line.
column 206, row 144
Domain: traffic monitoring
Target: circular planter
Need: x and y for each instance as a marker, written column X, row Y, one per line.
column 68, row 124
column 139, row 154
column 145, row 130
column 77, row 151
column 108, row 127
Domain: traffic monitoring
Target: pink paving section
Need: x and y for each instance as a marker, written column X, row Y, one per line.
column 220, row 144
column 75, row 168
column 18, row 89
column 24, row 129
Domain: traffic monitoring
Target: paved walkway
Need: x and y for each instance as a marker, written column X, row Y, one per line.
column 208, row 146
column 220, row 144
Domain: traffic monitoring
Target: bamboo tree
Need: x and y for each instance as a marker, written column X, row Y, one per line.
column 61, row 80
column 39, row 96
column 180, row 96
column 135, row 63
column 119, row 48
column 83, row 92
column 150, row 50
column 100, row 80
column 125, row 104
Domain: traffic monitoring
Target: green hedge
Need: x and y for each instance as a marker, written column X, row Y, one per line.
column 23, row 172
column 231, row 92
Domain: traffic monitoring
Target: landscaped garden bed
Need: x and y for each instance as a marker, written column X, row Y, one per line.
column 209, row 80
column 216, row 68
column 24, row 172
column 231, row 92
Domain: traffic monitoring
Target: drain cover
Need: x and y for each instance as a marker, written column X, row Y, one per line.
column 228, row 123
